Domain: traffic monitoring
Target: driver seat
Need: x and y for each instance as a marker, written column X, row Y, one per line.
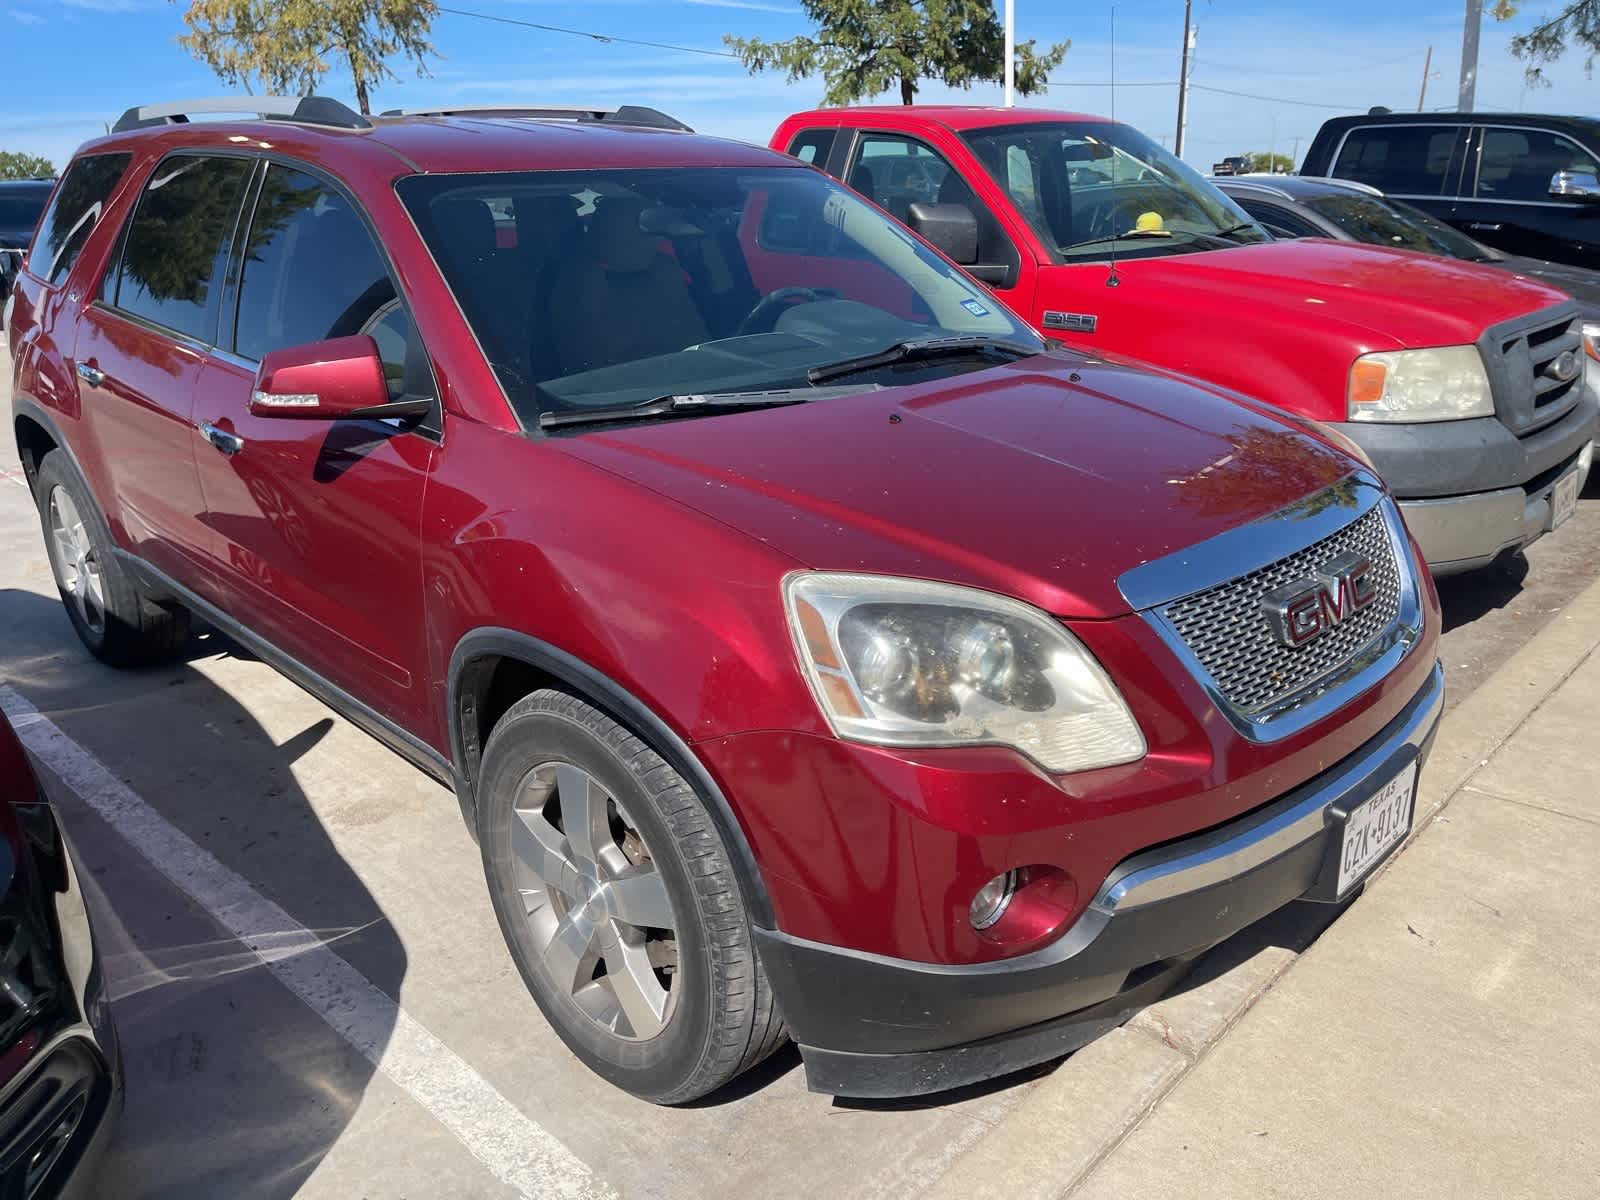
column 621, row 299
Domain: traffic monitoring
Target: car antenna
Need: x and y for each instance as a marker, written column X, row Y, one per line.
column 1112, row 279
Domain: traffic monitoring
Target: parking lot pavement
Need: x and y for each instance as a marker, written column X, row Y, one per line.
column 1438, row 1041
column 312, row 991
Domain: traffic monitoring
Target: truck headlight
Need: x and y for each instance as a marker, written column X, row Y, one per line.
column 1446, row 383
column 907, row 662
column 1591, row 350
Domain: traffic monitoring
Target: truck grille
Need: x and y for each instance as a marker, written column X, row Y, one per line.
column 1528, row 393
column 1226, row 631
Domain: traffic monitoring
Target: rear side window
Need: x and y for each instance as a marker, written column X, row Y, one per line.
column 813, row 145
column 1409, row 159
column 1279, row 222
column 176, row 245
column 1518, row 164
column 72, row 214
column 311, row 271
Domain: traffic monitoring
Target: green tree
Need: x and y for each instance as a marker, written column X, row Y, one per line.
column 864, row 48
column 16, row 165
column 1577, row 24
column 289, row 44
column 1261, row 160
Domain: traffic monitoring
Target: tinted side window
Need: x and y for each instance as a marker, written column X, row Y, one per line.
column 897, row 172
column 1279, row 222
column 311, row 272
column 72, row 214
column 1410, row 159
column 813, row 145
column 177, row 242
column 1517, row 164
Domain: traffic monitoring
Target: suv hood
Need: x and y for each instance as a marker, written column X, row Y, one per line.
column 1044, row 479
column 1391, row 299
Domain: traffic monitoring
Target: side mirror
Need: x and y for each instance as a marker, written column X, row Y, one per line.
column 334, row 380
column 951, row 227
column 1575, row 185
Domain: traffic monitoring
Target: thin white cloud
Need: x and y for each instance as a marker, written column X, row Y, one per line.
column 23, row 17
column 748, row 5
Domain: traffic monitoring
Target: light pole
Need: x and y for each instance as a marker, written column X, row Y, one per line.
column 1183, row 78
column 1011, row 52
column 1469, row 56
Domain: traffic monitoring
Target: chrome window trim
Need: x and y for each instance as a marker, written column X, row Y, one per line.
column 1240, row 551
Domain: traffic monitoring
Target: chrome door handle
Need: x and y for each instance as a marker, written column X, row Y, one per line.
column 228, row 443
column 1484, row 226
column 93, row 376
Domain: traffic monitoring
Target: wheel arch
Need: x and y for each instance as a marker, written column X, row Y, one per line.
column 492, row 668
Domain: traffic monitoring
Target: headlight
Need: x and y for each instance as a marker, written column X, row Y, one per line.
column 905, row 662
column 1443, row 384
column 1591, row 347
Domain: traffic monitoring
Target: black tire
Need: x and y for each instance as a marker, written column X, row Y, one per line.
column 124, row 628
column 719, row 1014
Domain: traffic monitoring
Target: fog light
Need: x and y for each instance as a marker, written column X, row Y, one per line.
column 1586, row 457
column 991, row 900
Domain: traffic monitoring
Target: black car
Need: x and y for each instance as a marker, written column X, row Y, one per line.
column 1293, row 206
column 60, row 1073
column 1525, row 183
column 21, row 202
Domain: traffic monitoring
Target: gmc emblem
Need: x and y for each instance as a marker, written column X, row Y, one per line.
column 1304, row 610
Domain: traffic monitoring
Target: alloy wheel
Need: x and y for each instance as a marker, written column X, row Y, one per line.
column 597, row 905
column 77, row 560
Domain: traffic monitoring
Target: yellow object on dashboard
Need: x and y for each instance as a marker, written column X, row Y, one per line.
column 1150, row 221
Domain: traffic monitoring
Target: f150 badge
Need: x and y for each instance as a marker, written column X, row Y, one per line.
column 1303, row 610
column 1073, row 322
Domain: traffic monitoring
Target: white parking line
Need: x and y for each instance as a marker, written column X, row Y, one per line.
column 514, row 1148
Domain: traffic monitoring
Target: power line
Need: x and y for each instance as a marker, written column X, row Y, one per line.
column 584, row 33
column 1200, row 87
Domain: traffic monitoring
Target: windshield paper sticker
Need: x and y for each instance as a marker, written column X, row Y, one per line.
column 976, row 309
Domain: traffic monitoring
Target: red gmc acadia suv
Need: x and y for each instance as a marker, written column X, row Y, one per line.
column 814, row 650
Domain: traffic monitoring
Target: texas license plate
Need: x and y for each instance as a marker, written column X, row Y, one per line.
column 1563, row 498
column 1373, row 828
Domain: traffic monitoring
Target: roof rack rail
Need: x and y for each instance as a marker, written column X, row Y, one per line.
column 624, row 114
column 308, row 110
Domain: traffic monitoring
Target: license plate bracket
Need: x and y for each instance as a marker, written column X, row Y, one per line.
column 1563, row 499
column 1365, row 827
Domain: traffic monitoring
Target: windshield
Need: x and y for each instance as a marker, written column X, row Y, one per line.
column 595, row 289
column 1088, row 187
column 1390, row 223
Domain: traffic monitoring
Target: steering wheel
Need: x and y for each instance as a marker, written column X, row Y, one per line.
column 764, row 316
column 1114, row 220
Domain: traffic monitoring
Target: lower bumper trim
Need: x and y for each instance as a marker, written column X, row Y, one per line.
column 874, row 1026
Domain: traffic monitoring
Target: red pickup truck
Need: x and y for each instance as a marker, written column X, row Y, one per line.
column 1462, row 386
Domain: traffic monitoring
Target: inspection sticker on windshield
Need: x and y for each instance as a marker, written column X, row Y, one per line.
column 1375, row 826
column 976, row 309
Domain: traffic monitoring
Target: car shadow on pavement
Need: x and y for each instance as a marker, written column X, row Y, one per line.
column 234, row 1087
column 1465, row 598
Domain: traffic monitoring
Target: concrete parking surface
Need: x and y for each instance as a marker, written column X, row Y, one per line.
column 314, row 998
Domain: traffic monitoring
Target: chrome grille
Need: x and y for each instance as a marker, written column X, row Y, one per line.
column 1226, row 631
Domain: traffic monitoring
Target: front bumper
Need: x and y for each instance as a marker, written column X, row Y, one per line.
column 1472, row 490
column 873, row 1026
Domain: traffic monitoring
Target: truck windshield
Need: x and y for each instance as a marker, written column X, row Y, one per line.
column 1390, row 223
column 1090, row 187
column 598, row 289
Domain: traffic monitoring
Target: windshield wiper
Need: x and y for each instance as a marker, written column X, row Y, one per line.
column 1242, row 227
column 691, row 402
column 1132, row 234
column 923, row 349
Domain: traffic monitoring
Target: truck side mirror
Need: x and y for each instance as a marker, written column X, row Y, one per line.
column 951, row 227
column 1575, row 185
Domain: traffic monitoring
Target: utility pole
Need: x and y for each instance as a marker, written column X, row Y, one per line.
column 1011, row 53
column 1469, row 55
column 1294, row 158
column 1422, row 96
column 1183, row 78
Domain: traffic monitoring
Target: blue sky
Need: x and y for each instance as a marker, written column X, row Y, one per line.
column 1312, row 60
